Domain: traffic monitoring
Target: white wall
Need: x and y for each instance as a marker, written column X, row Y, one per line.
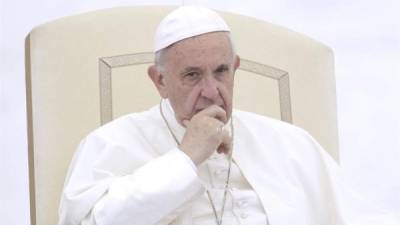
column 365, row 36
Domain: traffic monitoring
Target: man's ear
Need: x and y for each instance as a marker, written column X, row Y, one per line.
column 158, row 80
column 237, row 62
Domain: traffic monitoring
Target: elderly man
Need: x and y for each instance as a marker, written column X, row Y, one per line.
column 194, row 160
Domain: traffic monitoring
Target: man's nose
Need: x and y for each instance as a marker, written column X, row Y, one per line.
column 209, row 88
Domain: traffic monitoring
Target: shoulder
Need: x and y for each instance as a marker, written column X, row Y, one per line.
column 281, row 140
column 270, row 125
column 274, row 132
column 285, row 137
column 128, row 125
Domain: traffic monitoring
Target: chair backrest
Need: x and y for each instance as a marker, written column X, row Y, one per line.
column 84, row 70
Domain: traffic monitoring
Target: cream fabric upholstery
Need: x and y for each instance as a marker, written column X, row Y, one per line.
column 87, row 69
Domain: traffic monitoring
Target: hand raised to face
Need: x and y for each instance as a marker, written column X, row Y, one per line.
column 205, row 134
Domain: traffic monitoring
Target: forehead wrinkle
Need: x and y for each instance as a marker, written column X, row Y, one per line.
column 190, row 68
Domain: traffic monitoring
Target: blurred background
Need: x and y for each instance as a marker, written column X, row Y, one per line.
column 364, row 35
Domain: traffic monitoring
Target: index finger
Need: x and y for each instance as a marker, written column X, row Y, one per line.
column 216, row 112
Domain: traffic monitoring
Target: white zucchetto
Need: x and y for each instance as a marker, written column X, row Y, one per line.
column 185, row 22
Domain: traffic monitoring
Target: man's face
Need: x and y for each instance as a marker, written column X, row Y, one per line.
column 199, row 72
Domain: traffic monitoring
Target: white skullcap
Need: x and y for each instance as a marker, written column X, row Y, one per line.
column 185, row 22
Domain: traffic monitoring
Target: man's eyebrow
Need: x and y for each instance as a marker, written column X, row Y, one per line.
column 189, row 69
column 222, row 67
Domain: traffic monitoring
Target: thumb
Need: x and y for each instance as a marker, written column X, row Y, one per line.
column 226, row 144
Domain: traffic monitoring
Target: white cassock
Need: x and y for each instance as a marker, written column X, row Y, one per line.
column 130, row 171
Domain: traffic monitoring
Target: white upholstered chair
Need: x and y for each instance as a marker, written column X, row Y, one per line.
column 82, row 71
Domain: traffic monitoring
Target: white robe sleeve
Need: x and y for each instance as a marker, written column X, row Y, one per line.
column 331, row 197
column 153, row 193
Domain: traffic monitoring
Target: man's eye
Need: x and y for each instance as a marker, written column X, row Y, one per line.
column 222, row 69
column 191, row 78
column 191, row 74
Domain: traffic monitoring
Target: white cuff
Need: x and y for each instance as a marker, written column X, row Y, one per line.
column 188, row 159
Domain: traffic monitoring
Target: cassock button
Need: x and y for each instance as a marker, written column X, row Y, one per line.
column 220, row 172
column 244, row 215
column 241, row 203
column 213, row 157
column 217, row 156
column 233, row 189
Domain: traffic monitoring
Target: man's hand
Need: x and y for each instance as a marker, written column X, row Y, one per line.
column 204, row 134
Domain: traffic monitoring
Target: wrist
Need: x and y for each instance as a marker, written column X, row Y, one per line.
column 195, row 158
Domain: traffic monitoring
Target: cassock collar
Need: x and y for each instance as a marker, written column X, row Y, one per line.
column 169, row 114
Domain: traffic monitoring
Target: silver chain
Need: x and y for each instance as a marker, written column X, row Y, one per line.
column 218, row 220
